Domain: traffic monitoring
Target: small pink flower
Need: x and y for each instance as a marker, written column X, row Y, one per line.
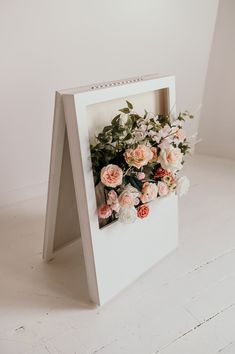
column 112, row 201
column 163, row 189
column 115, row 206
column 149, row 192
column 139, row 156
column 140, row 175
column 104, row 211
column 112, row 197
column 180, row 135
column 111, row 176
column 136, row 201
column 126, row 199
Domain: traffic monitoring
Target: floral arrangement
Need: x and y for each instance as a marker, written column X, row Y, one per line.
column 138, row 159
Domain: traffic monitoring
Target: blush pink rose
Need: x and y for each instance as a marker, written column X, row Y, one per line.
column 126, row 199
column 171, row 159
column 139, row 156
column 111, row 176
column 104, row 211
column 163, row 189
column 149, row 192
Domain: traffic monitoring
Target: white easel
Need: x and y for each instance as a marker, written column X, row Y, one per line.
column 116, row 255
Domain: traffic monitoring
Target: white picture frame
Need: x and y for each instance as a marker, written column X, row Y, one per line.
column 118, row 254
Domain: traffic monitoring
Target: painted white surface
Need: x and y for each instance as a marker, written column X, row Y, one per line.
column 112, row 263
column 186, row 304
column 217, row 118
column 49, row 45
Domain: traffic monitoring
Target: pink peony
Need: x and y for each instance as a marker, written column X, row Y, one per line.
column 149, row 192
column 138, row 157
column 126, row 199
column 171, row 159
column 111, row 176
column 104, row 211
column 163, row 189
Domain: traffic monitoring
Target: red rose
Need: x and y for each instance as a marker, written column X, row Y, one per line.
column 166, row 175
column 143, row 211
column 160, row 172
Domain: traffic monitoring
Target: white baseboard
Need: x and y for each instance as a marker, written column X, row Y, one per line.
column 24, row 193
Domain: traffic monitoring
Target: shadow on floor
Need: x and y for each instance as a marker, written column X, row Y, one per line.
column 26, row 280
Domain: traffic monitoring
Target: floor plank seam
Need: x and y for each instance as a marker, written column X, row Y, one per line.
column 210, row 261
column 201, row 266
column 226, row 346
column 194, row 328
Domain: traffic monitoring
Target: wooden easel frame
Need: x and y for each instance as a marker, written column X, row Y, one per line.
column 71, row 204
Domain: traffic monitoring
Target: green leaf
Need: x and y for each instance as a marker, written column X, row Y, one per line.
column 127, row 137
column 125, row 110
column 135, row 182
column 115, row 138
column 103, row 138
column 115, row 120
column 107, row 128
column 129, row 104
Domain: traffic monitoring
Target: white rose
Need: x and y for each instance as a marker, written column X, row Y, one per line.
column 139, row 135
column 127, row 215
column 171, row 159
column 132, row 190
column 182, row 186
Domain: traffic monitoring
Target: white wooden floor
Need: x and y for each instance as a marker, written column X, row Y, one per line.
column 185, row 305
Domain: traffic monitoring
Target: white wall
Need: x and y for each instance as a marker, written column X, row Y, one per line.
column 217, row 124
column 53, row 44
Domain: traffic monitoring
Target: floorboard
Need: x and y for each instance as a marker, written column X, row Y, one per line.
column 184, row 305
